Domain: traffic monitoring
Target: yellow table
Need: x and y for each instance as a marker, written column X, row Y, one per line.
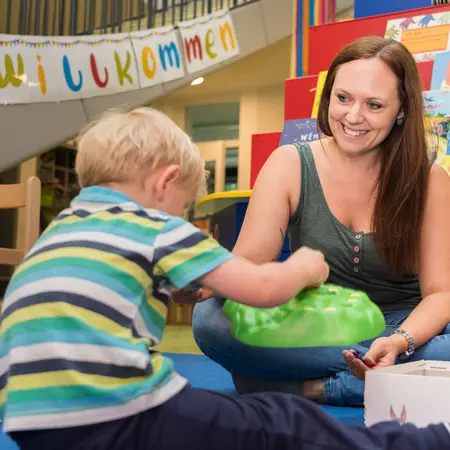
column 227, row 211
column 214, row 203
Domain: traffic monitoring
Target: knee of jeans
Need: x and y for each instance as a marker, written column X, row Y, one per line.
column 199, row 319
column 211, row 332
column 207, row 321
column 446, row 330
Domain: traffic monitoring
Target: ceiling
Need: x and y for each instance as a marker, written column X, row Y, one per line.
column 267, row 67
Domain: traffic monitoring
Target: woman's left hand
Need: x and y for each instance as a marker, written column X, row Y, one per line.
column 382, row 353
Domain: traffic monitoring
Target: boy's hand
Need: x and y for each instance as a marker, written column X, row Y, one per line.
column 189, row 296
column 311, row 264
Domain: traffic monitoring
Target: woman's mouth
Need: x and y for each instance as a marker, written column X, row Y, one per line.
column 354, row 133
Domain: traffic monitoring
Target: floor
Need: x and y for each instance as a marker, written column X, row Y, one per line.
column 178, row 343
column 178, row 339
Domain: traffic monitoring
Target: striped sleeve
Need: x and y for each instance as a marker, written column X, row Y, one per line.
column 183, row 253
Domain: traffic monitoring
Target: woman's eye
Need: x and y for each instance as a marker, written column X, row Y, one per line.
column 374, row 105
column 342, row 98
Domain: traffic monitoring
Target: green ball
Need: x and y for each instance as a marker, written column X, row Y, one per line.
column 329, row 316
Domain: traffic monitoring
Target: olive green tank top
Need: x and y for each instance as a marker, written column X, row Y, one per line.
column 353, row 259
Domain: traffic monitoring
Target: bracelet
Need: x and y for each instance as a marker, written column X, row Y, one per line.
column 411, row 346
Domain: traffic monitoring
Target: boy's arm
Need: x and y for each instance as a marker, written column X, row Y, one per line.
column 183, row 254
column 269, row 284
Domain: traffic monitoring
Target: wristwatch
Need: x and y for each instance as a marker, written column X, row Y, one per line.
column 411, row 347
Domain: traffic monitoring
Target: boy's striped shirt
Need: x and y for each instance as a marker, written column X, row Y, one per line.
column 86, row 306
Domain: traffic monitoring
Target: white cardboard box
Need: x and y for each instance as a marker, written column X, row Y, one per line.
column 416, row 392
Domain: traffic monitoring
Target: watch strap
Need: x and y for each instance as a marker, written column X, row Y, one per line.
column 409, row 338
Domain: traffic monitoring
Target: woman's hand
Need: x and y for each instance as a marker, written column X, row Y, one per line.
column 382, row 353
column 189, row 296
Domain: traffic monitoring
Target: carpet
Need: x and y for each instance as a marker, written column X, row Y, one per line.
column 204, row 373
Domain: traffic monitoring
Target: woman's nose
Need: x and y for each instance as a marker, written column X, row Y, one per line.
column 354, row 114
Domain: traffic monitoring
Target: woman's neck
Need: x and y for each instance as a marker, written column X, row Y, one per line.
column 364, row 162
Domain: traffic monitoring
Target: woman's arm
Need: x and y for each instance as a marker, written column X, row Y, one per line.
column 274, row 198
column 432, row 315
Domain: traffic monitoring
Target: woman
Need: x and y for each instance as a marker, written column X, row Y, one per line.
column 369, row 199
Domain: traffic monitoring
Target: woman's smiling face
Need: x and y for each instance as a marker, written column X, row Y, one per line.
column 364, row 105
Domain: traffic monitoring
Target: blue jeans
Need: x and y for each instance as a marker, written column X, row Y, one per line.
column 203, row 420
column 211, row 331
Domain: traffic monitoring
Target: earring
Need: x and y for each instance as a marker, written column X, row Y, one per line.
column 399, row 121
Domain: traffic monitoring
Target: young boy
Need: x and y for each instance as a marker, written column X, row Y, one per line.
column 88, row 304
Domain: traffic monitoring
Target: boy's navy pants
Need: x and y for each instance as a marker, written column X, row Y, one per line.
column 202, row 420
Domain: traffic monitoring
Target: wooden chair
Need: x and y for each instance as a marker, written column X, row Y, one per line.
column 22, row 195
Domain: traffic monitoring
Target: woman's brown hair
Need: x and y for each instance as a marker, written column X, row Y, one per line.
column 405, row 165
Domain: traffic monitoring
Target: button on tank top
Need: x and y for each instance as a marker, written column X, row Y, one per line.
column 353, row 259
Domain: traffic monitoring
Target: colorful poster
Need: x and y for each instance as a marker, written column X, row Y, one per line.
column 300, row 130
column 208, row 40
column 440, row 79
column 424, row 35
column 319, row 89
column 158, row 55
column 437, row 124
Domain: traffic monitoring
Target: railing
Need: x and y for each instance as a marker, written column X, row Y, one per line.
column 79, row 17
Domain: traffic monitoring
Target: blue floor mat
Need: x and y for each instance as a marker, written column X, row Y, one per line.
column 5, row 442
column 204, row 373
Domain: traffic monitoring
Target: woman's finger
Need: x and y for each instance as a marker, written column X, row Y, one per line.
column 356, row 366
column 370, row 361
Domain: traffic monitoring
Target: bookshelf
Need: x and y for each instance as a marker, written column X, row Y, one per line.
column 56, row 169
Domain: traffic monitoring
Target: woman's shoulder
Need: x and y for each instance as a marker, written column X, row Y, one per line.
column 438, row 193
column 292, row 151
column 284, row 163
column 438, row 175
column 284, row 151
column 287, row 159
column 279, row 164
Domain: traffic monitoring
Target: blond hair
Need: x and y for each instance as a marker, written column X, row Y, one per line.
column 121, row 144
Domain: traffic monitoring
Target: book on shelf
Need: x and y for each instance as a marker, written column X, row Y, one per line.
column 300, row 130
column 437, row 125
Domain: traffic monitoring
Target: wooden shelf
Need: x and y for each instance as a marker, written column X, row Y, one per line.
column 56, row 169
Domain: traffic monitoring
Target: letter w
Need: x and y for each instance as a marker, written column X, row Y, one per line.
column 11, row 76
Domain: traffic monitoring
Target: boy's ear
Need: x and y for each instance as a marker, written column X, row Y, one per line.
column 166, row 178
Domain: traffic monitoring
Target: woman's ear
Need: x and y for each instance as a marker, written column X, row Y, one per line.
column 400, row 117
